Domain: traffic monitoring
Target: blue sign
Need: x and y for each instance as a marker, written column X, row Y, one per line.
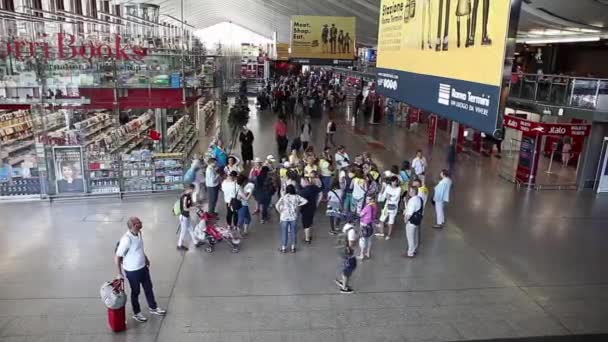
column 472, row 104
column 370, row 55
column 176, row 80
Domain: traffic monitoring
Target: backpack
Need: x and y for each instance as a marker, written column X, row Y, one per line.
column 177, row 207
column 416, row 218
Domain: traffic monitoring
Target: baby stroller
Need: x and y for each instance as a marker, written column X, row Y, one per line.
column 210, row 234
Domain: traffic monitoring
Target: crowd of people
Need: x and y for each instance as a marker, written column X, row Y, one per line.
column 362, row 202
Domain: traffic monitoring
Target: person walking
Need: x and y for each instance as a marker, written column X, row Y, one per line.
column 230, row 188
column 263, row 191
column 280, row 129
column 306, row 133
column 419, row 165
column 348, row 266
column 310, row 192
column 330, row 133
column 185, row 224
column 212, row 182
column 131, row 259
column 413, row 218
column 246, row 138
column 441, row 197
column 287, row 206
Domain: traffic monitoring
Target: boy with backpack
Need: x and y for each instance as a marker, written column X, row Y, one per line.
column 348, row 266
column 368, row 215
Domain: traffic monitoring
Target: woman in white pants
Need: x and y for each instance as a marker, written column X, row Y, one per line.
column 413, row 217
column 441, row 197
column 185, row 205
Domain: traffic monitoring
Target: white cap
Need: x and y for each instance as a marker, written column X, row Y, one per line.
column 286, row 164
column 270, row 158
column 257, row 160
column 388, row 173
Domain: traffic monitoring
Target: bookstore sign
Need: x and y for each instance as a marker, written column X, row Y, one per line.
column 64, row 46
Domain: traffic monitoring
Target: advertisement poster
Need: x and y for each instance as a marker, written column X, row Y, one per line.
column 446, row 57
column 527, row 159
column 69, row 175
column 319, row 37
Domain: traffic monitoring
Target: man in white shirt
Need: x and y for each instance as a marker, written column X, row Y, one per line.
column 441, row 197
column 419, row 166
column 131, row 258
column 212, row 182
column 342, row 159
column 392, row 196
column 413, row 208
column 230, row 188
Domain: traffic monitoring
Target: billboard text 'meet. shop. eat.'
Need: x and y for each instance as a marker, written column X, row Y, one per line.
column 323, row 37
column 445, row 56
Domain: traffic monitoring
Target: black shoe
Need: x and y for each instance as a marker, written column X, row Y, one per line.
column 283, row 250
column 486, row 41
column 293, row 249
column 182, row 248
column 333, row 232
column 346, row 290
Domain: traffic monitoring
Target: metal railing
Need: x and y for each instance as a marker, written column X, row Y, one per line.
column 559, row 90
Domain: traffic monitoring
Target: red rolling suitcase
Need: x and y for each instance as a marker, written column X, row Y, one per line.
column 117, row 319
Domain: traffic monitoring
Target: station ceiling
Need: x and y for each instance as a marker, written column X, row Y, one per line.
column 267, row 16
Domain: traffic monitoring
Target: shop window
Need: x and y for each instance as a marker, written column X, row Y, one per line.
column 8, row 5
column 77, row 7
column 93, row 8
column 37, row 5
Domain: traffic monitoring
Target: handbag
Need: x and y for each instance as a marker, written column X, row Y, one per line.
column 235, row 203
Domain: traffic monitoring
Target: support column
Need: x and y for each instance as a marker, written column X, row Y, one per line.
column 591, row 155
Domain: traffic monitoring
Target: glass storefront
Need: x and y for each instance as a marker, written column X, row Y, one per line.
column 101, row 113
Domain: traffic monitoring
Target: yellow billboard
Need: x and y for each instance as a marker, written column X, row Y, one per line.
column 445, row 56
column 459, row 39
column 323, row 37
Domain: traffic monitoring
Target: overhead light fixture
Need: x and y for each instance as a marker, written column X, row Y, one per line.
column 548, row 40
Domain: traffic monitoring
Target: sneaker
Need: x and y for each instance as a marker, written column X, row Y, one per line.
column 438, row 226
column 387, row 238
column 360, row 257
column 182, row 248
column 346, row 290
column 379, row 234
column 140, row 318
column 333, row 232
column 283, row 250
column 158, row 311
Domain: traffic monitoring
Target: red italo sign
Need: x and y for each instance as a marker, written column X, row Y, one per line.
column 65, row 47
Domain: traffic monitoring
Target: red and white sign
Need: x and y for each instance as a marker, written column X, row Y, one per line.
column 526, row 126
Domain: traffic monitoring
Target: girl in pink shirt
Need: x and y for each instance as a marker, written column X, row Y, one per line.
column 368, row 215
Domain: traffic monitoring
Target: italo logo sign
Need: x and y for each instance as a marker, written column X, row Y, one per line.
column 557, row 130
column 65, row 47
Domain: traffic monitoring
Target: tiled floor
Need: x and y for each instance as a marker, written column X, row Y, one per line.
column 511, row 263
